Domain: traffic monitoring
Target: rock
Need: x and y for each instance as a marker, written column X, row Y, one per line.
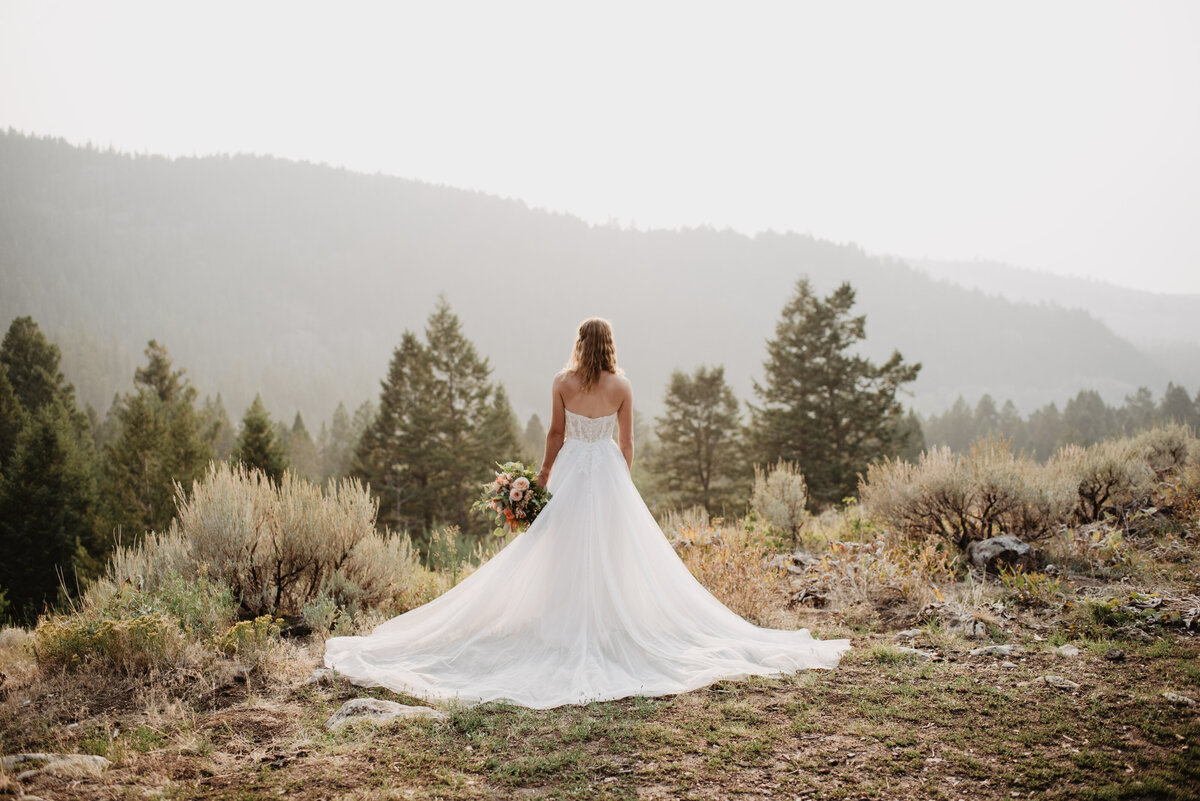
column 1176, row 698
column 1134, row 633
column 996, row 650
column 1115, row 655
column 1056, row 681
column 320, row 676
column 378, row 711
column 1006, row 550
column 1067, row 650
column 70, row 766
column 969, row 626
column 1007, row 664
column 908, row 634
column 924, row 656
column 1052, row 570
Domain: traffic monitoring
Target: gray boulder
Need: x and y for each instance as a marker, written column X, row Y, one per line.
column 1006, row 550
column 378, row 711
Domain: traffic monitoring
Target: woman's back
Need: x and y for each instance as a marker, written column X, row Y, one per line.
column 610, row 392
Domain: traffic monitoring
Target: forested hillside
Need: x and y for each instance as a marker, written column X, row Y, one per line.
column 297, row 280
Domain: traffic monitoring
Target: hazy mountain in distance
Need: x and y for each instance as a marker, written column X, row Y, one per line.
column 296, row 280
column 1166, row 327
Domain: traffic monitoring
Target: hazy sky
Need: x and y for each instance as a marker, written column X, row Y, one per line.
column 1062, row 136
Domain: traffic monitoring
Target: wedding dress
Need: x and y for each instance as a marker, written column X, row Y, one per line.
column 590, row 603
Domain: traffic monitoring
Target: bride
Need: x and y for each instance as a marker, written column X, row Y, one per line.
column 590, row 603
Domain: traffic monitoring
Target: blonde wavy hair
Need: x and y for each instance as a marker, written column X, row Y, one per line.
column 594, row 352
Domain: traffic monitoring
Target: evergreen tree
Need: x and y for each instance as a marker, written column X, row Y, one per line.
column 1177, row 406
column 159, row 442
column 987, row 417
column 395, row 453
column 12, row 418
column 338, row 449
column 1088, row 419
column 440, row 426
column 31, row 362
column 1046, row 431
column 533, row 440
column 47, row 506
column 699, row 458
column 1013, row 427
column 258, row 445
column 823, row 407
column 1139, row 412
column 302, row 451
column 909, row 437
column 955, row 428
column 500, row 433
column 218, row 428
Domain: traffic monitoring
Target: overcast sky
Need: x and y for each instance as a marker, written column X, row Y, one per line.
column 1051, row 135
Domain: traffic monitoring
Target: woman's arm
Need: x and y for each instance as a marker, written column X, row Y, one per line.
column 625, row 424
column 554, row 434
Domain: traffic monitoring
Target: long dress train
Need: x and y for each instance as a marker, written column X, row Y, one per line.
column 590, row 603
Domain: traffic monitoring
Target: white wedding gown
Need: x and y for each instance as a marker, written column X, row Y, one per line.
column 591, row 603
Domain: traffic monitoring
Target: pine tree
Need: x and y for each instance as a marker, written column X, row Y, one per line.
column 824, row 408
column 909, row 438
column 218, row 428
column 1177, row 406
column 12, row 418
column 1012, row 426
column 1139, row 412
column 1088, row 419
column 1046, row 431
column 47, row 512
column 338, row 449
column 440, row 426
column 499, row 431
column 159, row 442
column 302, row 451
column 533, row 440
column 699, row 458
column 257, row 445
column 32, row 364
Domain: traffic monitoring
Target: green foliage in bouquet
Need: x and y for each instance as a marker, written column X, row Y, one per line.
column 513, row 498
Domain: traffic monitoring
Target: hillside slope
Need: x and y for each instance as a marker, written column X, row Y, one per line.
column 296, row 280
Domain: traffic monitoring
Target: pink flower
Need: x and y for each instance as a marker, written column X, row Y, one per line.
column 515, row 495
column 521, row 483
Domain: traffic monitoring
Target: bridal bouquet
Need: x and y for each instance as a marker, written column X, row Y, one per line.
column 514, row 498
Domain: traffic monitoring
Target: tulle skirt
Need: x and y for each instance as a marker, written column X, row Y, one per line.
column 591, row 603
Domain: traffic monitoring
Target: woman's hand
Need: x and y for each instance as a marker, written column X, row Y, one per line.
column 542, row 477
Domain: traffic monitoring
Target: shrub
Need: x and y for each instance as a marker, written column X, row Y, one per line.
column 250, row 640
column 276, row 546
column 1107, row 476
column 132, row 630
column 888, row 568
column 1166, row 449
column 964, row 498
column 780, row 497
column 728, row 559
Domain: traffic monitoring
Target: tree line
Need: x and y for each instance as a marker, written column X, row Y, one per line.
column 72, row 484
column 1084, row 420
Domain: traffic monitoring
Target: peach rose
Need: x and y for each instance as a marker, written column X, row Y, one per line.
column 521, row 483
column 515, row 495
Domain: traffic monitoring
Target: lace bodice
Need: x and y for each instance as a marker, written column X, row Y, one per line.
column 590, row 429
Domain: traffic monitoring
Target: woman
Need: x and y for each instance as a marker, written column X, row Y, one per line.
column 590, row 603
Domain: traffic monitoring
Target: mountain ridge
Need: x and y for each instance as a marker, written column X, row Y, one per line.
column 296, row 279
